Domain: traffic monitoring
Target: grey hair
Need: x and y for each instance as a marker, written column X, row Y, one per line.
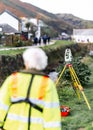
column 36, row 58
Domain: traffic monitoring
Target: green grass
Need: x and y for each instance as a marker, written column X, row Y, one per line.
column 80, row 117
column 11, row 52
column 58, row 44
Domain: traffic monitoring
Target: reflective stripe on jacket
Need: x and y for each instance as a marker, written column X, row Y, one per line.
column 19, row 115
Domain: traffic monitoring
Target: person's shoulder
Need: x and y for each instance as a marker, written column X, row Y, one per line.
column 14, row 73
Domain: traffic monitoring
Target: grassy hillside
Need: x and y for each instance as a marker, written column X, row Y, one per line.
column 76, row 21
column 22, row 9
column 59, row 22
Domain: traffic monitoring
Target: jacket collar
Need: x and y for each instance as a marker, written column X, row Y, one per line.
column 33, row 71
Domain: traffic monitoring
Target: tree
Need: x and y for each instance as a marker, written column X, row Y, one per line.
column 28, row 26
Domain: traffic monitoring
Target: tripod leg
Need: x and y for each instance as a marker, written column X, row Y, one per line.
column 74, row 75
column 75, row 83
column 79, row 85
column 60, row 75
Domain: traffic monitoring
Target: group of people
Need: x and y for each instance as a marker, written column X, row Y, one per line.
column 44, row 39
column 28, row 98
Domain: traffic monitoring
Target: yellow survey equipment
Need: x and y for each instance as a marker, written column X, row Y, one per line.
column 77, row 85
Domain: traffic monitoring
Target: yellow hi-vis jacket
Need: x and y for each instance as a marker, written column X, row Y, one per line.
column 29, row 102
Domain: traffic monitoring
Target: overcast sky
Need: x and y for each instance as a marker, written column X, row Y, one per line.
column 79, row 8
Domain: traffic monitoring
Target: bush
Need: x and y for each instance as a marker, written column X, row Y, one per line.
column 10, row 64
column 82, row 71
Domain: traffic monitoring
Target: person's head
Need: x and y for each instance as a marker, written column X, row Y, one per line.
column 35, row 58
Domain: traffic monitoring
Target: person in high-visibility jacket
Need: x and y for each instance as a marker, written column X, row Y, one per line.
column 28, row 98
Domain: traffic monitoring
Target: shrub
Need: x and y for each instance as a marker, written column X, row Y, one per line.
column 9, row 64
column 82, row 71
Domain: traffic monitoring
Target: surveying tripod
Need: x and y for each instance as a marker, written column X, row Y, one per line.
column 77, row 85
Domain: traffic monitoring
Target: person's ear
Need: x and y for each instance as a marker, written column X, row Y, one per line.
column 26, row 65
